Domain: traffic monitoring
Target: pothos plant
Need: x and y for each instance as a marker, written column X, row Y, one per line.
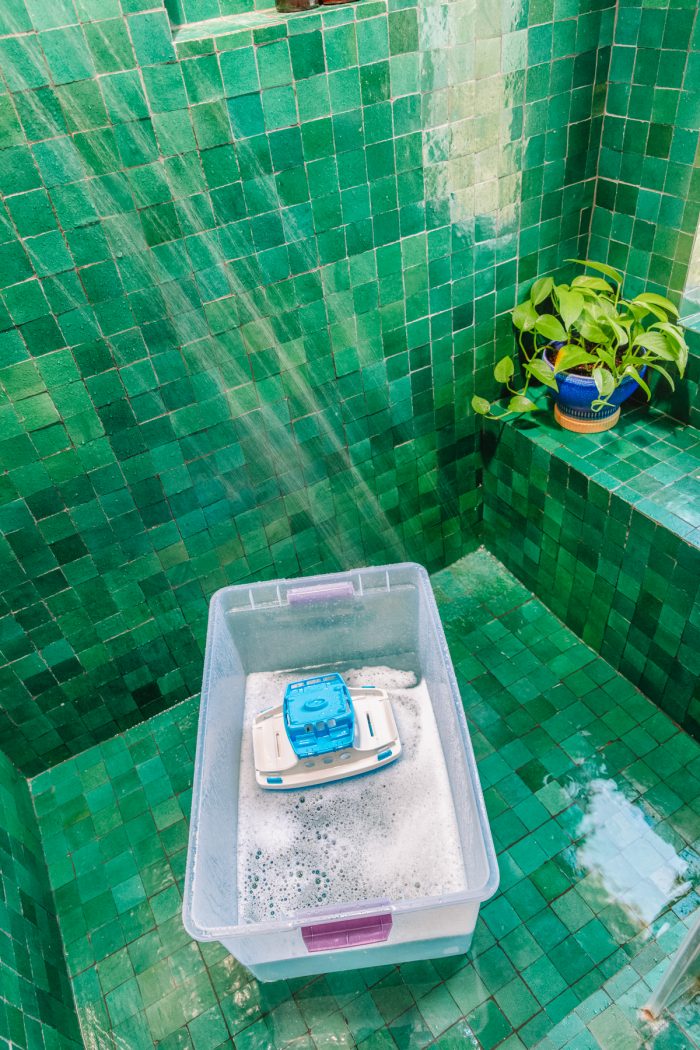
column 588, row 329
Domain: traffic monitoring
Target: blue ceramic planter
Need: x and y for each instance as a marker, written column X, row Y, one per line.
column 575, row 395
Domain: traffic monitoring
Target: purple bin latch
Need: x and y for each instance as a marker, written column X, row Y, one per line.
column 347, row 933
column 323, row 593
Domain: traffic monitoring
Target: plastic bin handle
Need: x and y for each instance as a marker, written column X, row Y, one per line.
column 347, row 933
column 322, row 593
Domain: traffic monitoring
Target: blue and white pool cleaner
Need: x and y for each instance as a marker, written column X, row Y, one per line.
column 322, row 732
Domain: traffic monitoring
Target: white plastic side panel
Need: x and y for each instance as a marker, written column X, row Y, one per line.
column 455, row 920
column 436, row 665
column 397, row 949
column 212, row 864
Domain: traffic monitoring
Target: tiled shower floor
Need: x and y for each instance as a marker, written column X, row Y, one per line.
column 594, row 800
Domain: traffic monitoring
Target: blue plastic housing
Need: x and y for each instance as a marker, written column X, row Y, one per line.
column 318, row 715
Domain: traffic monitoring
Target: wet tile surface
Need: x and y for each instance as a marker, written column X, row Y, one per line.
column 649, row 460
column 605, row 528
column 594, row 801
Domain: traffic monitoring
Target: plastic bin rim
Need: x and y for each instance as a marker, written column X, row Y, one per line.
column 422, row 572
column 479, row 894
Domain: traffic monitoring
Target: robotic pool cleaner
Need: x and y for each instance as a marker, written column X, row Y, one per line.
column 322, row 732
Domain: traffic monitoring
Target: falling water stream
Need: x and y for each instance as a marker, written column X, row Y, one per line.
column 271, row 436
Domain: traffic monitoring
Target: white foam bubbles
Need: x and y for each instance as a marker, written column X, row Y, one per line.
column 390, row 835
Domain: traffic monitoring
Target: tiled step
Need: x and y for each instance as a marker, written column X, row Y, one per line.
column 605, row 529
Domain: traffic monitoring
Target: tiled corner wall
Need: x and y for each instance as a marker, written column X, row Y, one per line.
column 36, row 1001
column 647, row 206
column 606, row 530
column 246, row 288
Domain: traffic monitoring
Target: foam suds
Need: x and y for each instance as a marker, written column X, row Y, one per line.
column 387, row 835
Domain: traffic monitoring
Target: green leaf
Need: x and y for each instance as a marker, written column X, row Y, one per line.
column 504, row 370
column 570, row 305
column 540, row 290
column 649, row 308
column 592, row 284
column 524, row 316
column 551, row 328
column 667, row 350
column 542, row 372
column 676, row 338
column 651, row 298
column 655, row 343
column 591, row 331
column 630, row 370
column 572, row 356
column 481, row 405
column 606, row 310
column 604, row 381
column 618, row 331
column 600, row 267
column 672, row 332
column 626, row 321
column 637, row 311
column 665, row 374
column 607, row 355
column 519, row 403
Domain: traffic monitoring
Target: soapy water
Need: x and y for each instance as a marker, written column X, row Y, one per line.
column 388, row 835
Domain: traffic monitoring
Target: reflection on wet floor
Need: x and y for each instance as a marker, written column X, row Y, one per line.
column 636, row 867
column 594, row 801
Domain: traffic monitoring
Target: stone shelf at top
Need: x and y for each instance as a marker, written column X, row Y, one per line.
column 194, row 33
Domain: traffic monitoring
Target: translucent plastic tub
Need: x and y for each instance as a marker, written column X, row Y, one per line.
column 367, row 618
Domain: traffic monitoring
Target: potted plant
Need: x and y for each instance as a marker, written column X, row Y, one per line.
column 590, row 347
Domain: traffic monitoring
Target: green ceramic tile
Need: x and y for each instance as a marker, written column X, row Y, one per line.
column 239, row 72
column 32, row 212
column 274, row 65
column 35, row 993
column 151, row 38
column 23, row 63
column 67, row 54
column 595, row 484
column 110, row 45
column 48, row 253
column 202, row 79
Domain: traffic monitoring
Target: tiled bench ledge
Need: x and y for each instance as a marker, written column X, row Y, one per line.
column 605, row 529
column 649, row 460
column 195, row 38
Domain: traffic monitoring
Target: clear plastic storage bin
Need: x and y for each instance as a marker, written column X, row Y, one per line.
column 363, row 618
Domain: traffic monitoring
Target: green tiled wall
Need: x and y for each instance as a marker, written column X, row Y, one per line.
column 246, row 289
column 606, row 529
column 36, row 1002
column 648, row 193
